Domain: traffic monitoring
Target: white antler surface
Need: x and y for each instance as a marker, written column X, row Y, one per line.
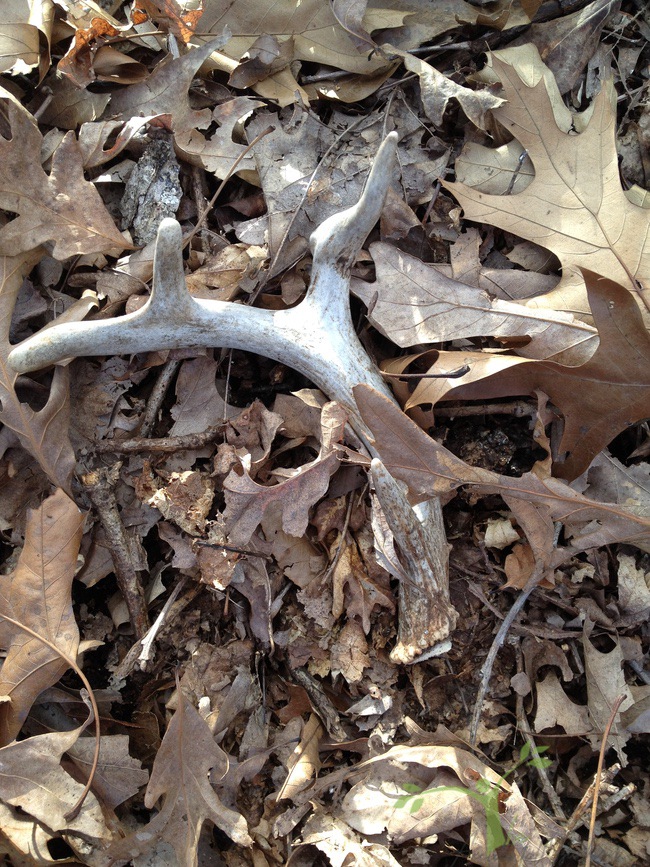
column 316, row 338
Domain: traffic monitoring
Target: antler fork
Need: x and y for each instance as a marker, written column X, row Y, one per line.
column 317, row 338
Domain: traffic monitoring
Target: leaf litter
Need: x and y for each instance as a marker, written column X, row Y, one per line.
column 264, row 720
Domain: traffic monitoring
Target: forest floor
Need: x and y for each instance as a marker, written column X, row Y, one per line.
column 227, row 640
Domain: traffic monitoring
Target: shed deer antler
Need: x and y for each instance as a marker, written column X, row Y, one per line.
column 316, row 338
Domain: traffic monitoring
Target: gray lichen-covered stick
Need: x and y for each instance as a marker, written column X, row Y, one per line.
column 316, row 338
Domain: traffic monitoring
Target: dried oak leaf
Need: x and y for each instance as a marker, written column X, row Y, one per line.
column 61, row 208
column 43, row 433
column 575, row 205
column 38, row 595
column 181, row 776
column 118, row 775
column 429, row 469
column 34, row 781
column 415, row 303
column 246, row 501
column 598, row 399
column 166, row 91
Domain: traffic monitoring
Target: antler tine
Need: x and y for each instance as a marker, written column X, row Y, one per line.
column 338, row 240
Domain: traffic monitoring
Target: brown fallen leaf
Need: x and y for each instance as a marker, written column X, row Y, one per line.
column 247, row 501
column 180, row 775
column 61, row 208
column 304, row 763
column 437, row 89
column 38, row 595
column 218, row 153
column 166, row 91
column 605, row 682
column 575, row 205
column 554, row 707
column 598, row 399
column 43, row 433
column 429, row 470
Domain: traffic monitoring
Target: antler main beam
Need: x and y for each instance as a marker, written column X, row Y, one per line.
column 316, row 338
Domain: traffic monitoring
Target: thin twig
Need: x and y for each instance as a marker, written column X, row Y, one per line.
column 164, row 445
column 157, row 396
column 99, row 485
column 597, row 779
column 486, row 671
column 577, row 817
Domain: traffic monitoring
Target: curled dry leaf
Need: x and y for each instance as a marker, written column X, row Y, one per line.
column 38, row 595
column 311, row 29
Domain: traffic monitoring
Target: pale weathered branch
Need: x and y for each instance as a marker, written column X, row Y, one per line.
column 316, row 338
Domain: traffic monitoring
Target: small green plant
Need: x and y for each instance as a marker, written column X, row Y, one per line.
column 488, row 794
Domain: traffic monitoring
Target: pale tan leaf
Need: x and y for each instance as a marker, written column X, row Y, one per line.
column 339, row 843
column 38, row 595
column 304, row 763
column 62, row 207
column 500, row 171
column 633, row 589
column 32, row 778
column 554, row 707
column 605, row 683
column 350, row 652
column 575, row 205
column 447, row 777
column 25, row 33
column 23, row 840
column 415, row 303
